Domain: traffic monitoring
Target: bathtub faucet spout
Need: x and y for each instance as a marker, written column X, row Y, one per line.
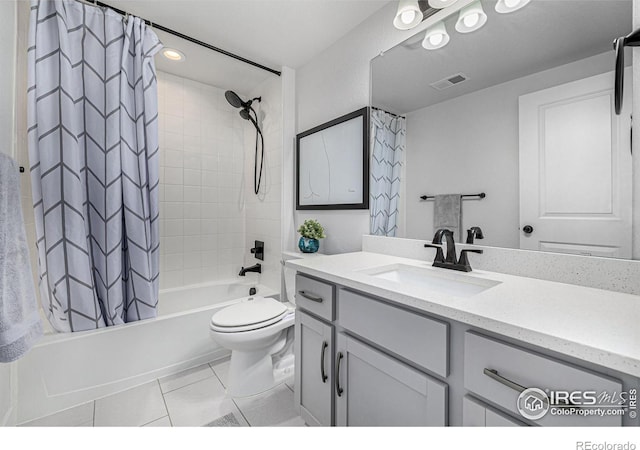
column 257, row 268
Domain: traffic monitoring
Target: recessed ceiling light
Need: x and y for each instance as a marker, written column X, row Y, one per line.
column 173, row 54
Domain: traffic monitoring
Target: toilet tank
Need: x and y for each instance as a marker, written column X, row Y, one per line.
column 288, row 278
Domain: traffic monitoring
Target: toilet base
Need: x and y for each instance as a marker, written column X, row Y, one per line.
column 254, row 372
column 250, row 373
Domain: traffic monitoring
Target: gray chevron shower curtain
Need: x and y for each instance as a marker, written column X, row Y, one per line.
column 388, row 137
column 93, row 149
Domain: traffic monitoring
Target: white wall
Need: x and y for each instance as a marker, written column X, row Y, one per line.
column 333, row 84
column 8, row 380
column 264, row 211
column 470, row 144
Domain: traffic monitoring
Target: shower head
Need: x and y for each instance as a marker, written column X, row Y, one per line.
column 234, row 100
column 244, row 113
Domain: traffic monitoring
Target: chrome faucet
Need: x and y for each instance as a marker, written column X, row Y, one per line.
column 257, row 268
column 450, row 261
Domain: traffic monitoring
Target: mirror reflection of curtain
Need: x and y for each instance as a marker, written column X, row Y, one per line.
column 388, row 138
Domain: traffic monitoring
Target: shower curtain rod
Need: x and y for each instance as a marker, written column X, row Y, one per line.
column 185, row 37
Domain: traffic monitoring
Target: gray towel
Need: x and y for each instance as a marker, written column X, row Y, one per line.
column 448, row 214
column 20, row 324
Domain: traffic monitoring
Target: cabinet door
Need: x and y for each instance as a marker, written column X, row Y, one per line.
column 373, row 389
column 314, row 374
column 477, row 414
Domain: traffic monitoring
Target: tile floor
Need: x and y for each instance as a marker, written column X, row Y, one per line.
column 194, row 397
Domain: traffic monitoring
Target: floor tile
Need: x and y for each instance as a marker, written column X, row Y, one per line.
column 272, row 408
column 221, row 368
column 133, row 407
column 162, row 422
column 184, row 378
column 78, row 415
column 200, row 404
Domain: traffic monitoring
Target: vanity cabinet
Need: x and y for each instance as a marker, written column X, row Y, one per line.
column 342, row 380
column 366, row 361
column 374, row 389
column 477, row 414
column 314, row 375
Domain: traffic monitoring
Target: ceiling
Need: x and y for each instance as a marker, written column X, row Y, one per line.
column 542, row 35
column 274, row 33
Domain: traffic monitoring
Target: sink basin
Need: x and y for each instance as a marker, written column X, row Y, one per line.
column 436, row 281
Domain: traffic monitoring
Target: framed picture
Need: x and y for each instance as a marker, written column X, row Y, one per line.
column 332, row 164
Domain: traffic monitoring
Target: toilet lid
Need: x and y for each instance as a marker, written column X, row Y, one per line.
column 249, row 311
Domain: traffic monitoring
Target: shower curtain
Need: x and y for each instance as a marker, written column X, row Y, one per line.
column 388, row 136
column 93, row 150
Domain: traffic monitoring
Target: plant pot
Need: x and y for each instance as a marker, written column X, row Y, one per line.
column 307, row 245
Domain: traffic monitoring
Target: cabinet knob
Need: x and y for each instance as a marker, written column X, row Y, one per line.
column 527, row 229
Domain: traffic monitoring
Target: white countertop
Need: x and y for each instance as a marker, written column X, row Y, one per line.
column 594, row 325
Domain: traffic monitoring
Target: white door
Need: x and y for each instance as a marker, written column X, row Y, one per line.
column 575, row 169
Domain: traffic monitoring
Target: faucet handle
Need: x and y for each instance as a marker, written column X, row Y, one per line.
column 439, row 254
column 463, row 261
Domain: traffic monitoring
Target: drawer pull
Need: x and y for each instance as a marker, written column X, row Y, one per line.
column 339, row 389
column 322, row 372
column 492, row 373
column 313, row 298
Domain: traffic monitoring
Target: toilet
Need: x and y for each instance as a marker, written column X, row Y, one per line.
column 259, row 332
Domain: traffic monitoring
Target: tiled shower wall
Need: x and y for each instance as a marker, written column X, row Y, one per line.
column 263, row 211
column 202, row 152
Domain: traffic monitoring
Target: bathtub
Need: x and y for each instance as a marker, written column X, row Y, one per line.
column 67, row 369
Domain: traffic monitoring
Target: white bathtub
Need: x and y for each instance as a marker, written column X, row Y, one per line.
column 68, row 369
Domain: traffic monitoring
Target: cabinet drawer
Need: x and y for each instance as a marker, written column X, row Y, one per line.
column 513, row 368
column 477, row 414
column 315, row 296
column 419, row 339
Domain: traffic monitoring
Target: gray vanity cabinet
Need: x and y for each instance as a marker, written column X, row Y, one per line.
column 476, row 414
column 314, row 374
column 373, row 389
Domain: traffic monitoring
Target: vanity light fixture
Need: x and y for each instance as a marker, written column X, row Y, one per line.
column 471, row 18
column 439, row 4
column 436, row 37
column 172, row 54
column 507, row 6
column 409, row 15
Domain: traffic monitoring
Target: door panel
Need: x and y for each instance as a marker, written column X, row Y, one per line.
column 313, row 391
column 575, row 169
column 379, row 390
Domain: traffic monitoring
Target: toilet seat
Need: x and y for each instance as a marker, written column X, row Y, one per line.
column 250, row 313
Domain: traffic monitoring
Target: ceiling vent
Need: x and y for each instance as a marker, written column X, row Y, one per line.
column 449, row 81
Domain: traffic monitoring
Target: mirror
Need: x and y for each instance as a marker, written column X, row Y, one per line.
column 521, row 110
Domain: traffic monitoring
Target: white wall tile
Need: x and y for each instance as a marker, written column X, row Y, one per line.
column 209, row 213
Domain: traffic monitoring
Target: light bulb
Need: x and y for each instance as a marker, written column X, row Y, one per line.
column 471, row 20
column 436, row 39
column 408, row 16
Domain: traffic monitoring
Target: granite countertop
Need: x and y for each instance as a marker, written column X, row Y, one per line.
column 594, row 325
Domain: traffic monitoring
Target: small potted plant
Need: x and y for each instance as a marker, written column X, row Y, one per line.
column 310, row 231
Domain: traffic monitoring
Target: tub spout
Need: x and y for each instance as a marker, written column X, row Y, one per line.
column 257, row 268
